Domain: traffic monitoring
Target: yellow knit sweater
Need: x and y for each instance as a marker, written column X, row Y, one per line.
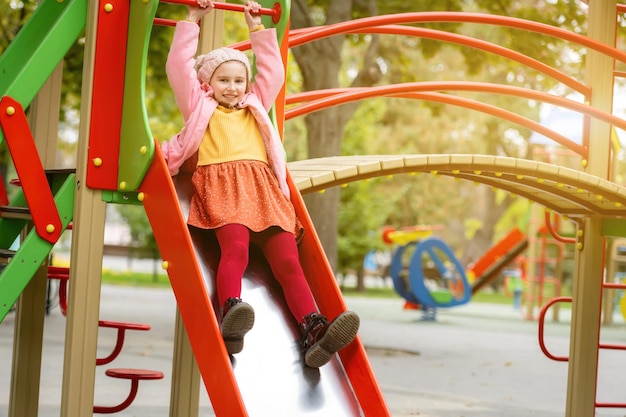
column 232, row 135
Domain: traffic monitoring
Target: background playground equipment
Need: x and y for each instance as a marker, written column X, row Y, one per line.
column 410, row 275
column 445, row 285
column 118, row 162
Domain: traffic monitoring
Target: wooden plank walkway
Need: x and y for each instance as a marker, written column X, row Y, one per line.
column 564, row 190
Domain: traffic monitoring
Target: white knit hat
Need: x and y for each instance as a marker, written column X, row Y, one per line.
column 207, row 64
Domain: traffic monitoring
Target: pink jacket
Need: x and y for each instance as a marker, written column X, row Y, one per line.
column 196, row 103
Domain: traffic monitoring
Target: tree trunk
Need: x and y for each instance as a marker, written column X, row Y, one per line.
column 320, row 65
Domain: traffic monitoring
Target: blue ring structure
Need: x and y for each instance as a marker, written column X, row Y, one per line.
column 414, row 288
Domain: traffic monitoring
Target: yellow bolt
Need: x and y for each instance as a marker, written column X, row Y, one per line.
column 478, row 172
column 599, row 197
column 434, row 172
column 580, row 190
column 519, row 176
column 108, row 7
column 584, row 162
column 498, row 174
column 540, row 180
column 456, row 171
column 344, row 185
column 579, row 233
column 559, row 184
column 97, row 162
column 321, row 191
column 579, row 246
column 141, row 196
column 10, row 110
column 165, row 265
column 50, row 228
column 143, row 150
column 123, row 185
column 618, row 204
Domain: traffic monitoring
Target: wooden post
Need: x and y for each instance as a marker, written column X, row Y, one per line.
column 81, row 335
column 30, row 314
column 587, row 291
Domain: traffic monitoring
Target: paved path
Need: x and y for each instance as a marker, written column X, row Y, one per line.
column 475, row 361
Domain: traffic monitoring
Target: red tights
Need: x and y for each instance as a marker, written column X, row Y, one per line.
column 280, row 250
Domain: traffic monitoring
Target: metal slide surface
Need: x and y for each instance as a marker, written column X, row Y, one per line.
column 269, row 371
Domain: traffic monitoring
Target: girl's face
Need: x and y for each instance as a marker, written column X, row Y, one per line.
column 229, row 82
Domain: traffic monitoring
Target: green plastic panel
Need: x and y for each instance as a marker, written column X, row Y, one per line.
column 136, row 140
column 614, row 227
column 39, row 47
column 33, row 251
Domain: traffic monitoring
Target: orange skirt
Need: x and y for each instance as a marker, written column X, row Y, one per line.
column 241, row 192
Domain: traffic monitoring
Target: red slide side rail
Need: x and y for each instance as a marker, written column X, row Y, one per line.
column 496, row 251
column 174, row 242
column 330, row 302
column 30, row 170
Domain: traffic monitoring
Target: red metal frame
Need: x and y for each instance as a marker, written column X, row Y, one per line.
column 274, row 12
column 63, row 275
column 554, row 233
column 455, row 100
column 135, row 375
column 108, row 95
column 30, row 170
column 330, row 302
column 461, row 40
column 548, row 354
column 387, row 90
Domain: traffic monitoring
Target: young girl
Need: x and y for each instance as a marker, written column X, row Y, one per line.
column 240, row 188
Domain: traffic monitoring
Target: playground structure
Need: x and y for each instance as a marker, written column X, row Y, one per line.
column 444, row 285
column 118, row 162
column 447, row 283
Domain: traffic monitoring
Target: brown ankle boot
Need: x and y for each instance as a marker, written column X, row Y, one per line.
column 237, row 320
column 321, row 340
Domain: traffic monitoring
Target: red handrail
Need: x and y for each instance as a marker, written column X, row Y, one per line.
column 274, row 12
column 553, row 232
column 542, row 319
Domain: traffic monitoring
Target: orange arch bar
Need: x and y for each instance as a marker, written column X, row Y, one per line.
column 459, row 101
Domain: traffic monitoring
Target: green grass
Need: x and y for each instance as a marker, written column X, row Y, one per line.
column 162, row 281
column 135, row 279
